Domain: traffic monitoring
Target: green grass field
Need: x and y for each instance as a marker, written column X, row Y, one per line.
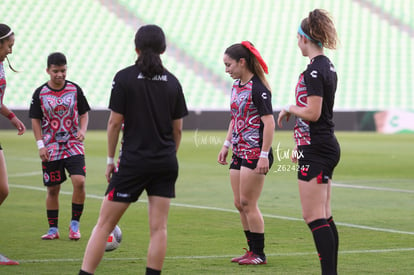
column 373, row 205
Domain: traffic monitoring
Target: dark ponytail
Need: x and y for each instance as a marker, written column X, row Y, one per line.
column 150, row 41
column 5, row 33
column 238, row 51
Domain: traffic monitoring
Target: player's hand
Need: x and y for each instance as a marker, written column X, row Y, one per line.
column 222, row 156
column 44, row 154
column 281, row 116
column 110, row 168
column 81, row 135
column 262, row 166
column 19, row 125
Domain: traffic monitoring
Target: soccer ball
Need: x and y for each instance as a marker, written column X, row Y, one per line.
column 114, row 239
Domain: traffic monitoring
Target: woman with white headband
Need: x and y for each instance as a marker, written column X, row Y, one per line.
column 317, row 152
column 6, row 45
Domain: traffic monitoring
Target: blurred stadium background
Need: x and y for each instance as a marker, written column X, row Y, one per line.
column 375, row 60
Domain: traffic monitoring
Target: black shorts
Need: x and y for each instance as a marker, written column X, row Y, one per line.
column 237, row 162
column 318, row 160
column 130, row 180
column 54, row 171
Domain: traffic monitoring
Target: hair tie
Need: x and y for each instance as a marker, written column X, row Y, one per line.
column 301, row 32
column 8, row 34
column 256, row 53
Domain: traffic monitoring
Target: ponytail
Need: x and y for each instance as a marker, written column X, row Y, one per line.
column 319, row 28
column 149, row 63
column 5, row 33
column 254, row 60
column 150, row 41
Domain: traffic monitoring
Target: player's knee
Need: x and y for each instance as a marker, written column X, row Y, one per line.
column 244, row 204
column 79, row 184
column 238, row 205
column 53, row 191
column 159, row 230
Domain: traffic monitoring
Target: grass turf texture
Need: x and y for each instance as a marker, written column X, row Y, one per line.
column 373, row 205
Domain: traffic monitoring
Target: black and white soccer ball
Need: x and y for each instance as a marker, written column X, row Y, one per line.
column 114, row 239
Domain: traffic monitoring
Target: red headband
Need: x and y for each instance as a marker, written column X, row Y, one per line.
column 256, row 53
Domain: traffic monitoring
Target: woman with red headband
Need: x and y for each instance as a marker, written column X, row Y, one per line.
column 317, row 146
column 250, row 134
column 6, row 45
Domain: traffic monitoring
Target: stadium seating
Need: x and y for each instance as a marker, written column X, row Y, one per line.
column 374, row 61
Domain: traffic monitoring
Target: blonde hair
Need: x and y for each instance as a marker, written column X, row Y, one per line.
column 320, row 27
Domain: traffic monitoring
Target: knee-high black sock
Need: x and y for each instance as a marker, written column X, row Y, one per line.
column 150, row 271
column 257, row 243
column 77, row 210
column 53, row 217
column 325, row 245
column 81, row 272
column 336, row 238
column 247, row 234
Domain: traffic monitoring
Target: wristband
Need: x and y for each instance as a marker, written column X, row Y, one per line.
column 264, row 154
column 40, row 144
column 11, row 116
column 286, row 108
column 226, row 143
column 109, row 160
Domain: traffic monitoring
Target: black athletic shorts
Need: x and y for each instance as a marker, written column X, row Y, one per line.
column 318, row 160
column 131, row 179
column 237, row 162
column 54, row 171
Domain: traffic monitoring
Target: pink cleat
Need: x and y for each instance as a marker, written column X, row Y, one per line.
column 253, row 259
column 52, row 234
column 74, row 233
column 6, row 261
column 238, row 259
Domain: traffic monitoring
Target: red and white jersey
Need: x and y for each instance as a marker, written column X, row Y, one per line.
column 59, row 113
column 249, row 103
column 302, row 130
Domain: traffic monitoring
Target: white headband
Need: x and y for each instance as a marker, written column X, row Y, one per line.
column 4, row 36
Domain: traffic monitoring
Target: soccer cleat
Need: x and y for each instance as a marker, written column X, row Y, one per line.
column 253, row 259
column 74, row 233
column 52, row 234
column 238, row 259
column 6, row 261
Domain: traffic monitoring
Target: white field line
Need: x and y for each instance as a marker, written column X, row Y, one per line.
column 228, row 210
column 372, row 188
column 293, row 254
column 340, row 185
column 28, row 174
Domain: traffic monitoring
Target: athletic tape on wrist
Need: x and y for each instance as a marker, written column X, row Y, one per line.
column 226, row 143
column 40, row 144
column 109, row 160
column 264, row 154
